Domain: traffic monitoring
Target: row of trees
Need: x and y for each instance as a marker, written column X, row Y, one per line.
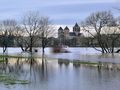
column 33, row 30
column 104, row 29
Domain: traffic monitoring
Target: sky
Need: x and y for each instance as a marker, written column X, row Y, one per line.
column 60, row 12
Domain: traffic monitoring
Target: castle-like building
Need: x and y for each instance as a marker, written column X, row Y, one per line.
column 66, row 37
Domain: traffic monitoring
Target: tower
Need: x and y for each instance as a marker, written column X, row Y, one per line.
column 66, row 32
column 60, row 32
column 76, row 29
column 61, row 36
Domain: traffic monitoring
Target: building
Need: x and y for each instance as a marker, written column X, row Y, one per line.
column 66, row 37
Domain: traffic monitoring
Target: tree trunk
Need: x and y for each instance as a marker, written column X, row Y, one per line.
column 31, row 43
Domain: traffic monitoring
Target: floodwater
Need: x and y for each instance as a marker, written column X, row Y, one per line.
column 58, row 73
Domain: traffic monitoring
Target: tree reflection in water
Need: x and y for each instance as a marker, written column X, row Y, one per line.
column 32, row 68
column 66, row 62
column 46, row 74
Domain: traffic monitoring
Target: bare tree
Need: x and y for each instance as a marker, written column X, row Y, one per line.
column 7, row 31
column 102, row 27
column 36, row 27
column 20, row 38
column 32, row 27
column 47, row 30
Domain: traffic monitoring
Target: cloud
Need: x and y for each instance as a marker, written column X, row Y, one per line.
column 60, row 11
column 44, row 3
column 69, row 2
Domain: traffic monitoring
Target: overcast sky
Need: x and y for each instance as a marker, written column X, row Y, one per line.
column 60, row 11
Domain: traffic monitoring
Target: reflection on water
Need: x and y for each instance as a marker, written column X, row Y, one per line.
column 61, row 74
column 66, row 62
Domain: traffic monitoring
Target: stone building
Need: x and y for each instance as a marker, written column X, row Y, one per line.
column 66, row 37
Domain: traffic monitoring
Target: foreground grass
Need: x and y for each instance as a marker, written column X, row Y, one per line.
column 87, row 62
column 79, row 62
column 10, row 80
column 12, row 56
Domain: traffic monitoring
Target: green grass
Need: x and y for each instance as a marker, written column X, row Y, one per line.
column 1, row 60
column 11, row 56
column 9, row 80
column 81, row 62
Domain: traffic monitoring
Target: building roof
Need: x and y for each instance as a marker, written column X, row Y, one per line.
column 66, row 28
column 76, row 28
column 76, row 25
column 72, row 34
column 60, row 28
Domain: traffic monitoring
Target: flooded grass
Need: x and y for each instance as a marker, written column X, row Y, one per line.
column 11, row 56
column 81, row 62
column 10, row 80
column 78, row 62
column 1, row 61
column 20, row 55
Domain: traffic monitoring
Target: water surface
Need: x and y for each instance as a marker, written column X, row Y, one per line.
column 58, row 73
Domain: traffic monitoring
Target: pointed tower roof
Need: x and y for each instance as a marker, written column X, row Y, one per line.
column 76, row 28
column 66, row 28
column 60, row 28
column 76, row 25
